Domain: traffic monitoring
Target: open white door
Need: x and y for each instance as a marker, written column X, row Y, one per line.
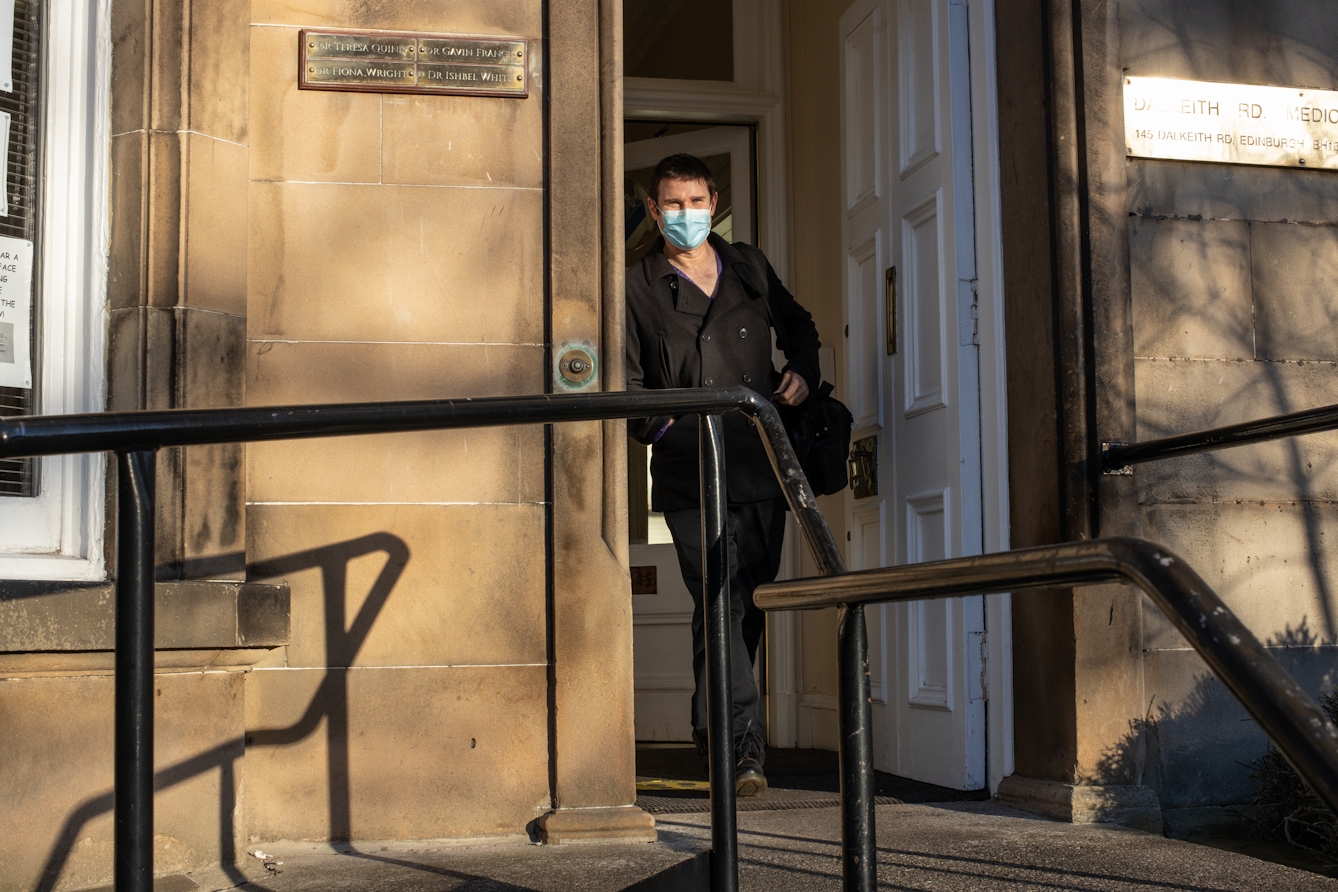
column 662, row 619
column 912, row 370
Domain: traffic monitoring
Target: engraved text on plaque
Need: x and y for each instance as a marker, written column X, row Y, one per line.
column 1231, row 123
column 384, row 62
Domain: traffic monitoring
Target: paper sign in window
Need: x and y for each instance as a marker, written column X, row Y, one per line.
column 7, row 45
column 16, row 312
column 4, row 165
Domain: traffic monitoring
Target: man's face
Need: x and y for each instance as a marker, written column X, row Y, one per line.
column 681, row 195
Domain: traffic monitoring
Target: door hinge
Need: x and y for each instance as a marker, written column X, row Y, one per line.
column 968, row 317
column 977, row 686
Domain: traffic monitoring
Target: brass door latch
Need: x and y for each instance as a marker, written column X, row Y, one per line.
column 863, row 465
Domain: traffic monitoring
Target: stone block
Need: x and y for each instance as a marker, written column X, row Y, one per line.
column 145, row 219
column 504, row 464
column 162, row 188
column 1295, row 277
column 1272, row 564
column 385, row 753
column 220, row 45
column 56, row 777
column 214, row 277
column 406, row 585
column 70, row 617
column 1191, row 288
column 1201, row 740
column 125, row 267
column 307, row 135
column 1230, row 192
column 1132, row 805
column 130, row 39
column 1176, row 397
column 211, row 357
column 460, row 141
column 139, row 359
column 396, row 263
column 1238, row 43
column 627, row 823
column 281, row 373
column 511, row 17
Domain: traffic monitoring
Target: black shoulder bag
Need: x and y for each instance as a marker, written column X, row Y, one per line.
column 819, row 427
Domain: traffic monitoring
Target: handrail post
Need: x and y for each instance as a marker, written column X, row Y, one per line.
column 133, row 798
column 720, row 697
column 859, row 867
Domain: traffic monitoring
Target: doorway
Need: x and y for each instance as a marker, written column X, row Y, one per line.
column 661, row 605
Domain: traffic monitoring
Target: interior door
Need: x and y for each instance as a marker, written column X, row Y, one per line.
column 661, row 605
column 912, row 370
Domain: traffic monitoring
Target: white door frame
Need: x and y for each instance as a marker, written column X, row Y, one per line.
column 758, row 96
column 993, row 382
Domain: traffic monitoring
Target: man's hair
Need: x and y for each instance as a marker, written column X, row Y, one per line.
column 680, row 167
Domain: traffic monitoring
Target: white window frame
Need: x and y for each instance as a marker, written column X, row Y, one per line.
column 59, row 534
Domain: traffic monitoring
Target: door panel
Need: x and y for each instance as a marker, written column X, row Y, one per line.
column 919, row 82
column 929, row 720
column 924, row 344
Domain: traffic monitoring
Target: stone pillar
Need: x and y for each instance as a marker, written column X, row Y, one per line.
column 594, row 754
column 1077, row 653
column 177, row 272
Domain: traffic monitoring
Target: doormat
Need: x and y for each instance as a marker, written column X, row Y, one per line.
column 772, row 800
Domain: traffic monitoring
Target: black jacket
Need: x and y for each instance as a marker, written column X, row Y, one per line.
column 679, row 337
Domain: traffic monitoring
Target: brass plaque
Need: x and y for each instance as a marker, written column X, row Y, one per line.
column 397, row 62
column 863, row 463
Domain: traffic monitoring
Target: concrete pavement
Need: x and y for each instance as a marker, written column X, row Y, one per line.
column 976, row 846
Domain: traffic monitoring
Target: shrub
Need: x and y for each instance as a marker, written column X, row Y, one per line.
column 1284, row 809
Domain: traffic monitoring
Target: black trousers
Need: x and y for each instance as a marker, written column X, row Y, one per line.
column 756, row 532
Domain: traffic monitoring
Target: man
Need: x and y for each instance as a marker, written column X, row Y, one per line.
column 698, row 315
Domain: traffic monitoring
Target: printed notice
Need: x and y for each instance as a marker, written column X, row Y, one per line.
column 4, row 165
column 1231, row 123
column 16, row 312
column 7, row 45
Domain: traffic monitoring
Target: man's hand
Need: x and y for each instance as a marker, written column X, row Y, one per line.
column 792, row 391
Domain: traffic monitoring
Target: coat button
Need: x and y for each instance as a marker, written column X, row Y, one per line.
column 747, row 379
column 743, row 332
column 709, row 381
column 706, row 337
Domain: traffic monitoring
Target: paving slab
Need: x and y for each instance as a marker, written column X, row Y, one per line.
column 448, row 866
column 986, row 847
column 948, row 847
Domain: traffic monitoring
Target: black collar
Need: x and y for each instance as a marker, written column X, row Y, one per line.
column 657, row 266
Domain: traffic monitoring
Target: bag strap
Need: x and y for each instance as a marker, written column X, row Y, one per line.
column 755, row 260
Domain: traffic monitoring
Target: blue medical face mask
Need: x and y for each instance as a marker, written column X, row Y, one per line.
column 686, row 229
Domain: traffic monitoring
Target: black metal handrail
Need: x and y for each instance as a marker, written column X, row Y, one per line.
column 135, row 437
column 1118, row 457
column 1291, row 718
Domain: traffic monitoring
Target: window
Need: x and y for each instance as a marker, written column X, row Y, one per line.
column 679, row 39
column 51, row 515
column 20, row 112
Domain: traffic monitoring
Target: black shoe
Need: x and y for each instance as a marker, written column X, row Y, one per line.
column 748, row 778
